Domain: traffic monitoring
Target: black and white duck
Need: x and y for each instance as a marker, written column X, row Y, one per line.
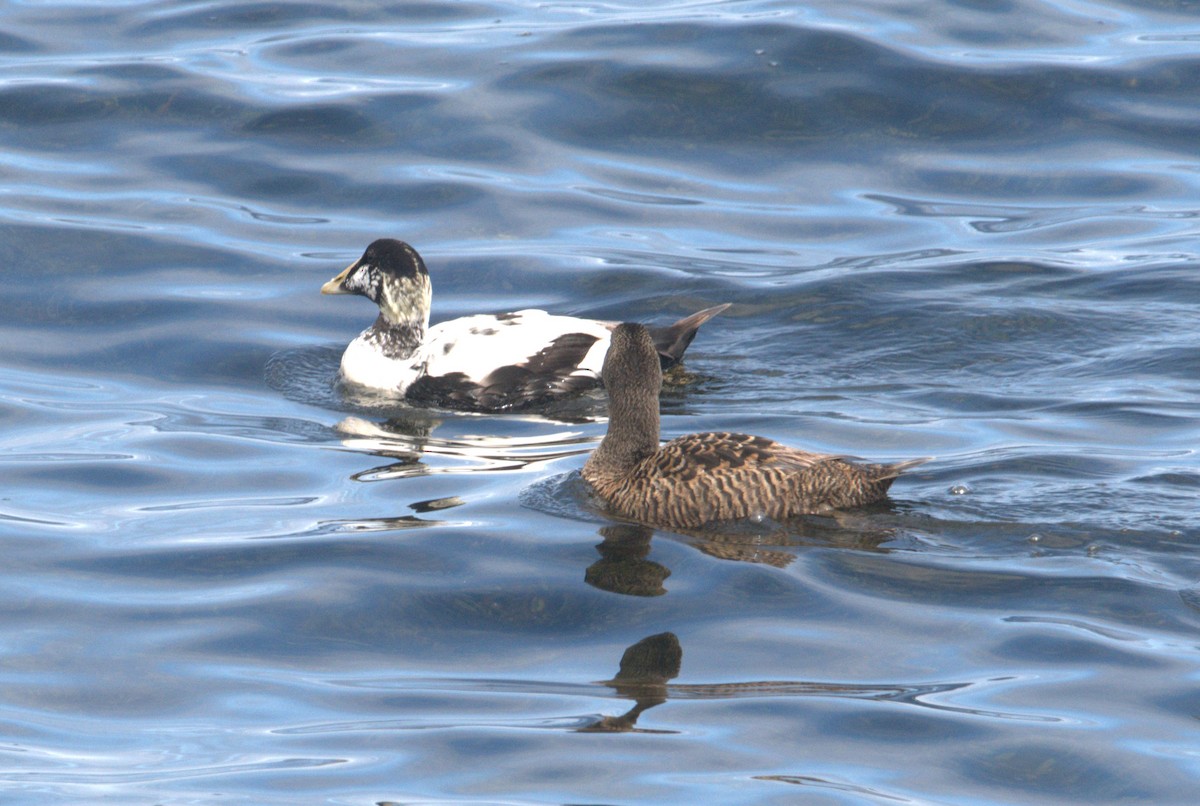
column 702, row 479
column 486, row 362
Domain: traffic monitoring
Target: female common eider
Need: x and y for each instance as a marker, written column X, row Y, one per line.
column 701, row 479
column 486, row 362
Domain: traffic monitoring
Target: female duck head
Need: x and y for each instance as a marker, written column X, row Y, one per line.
column 632, row 368
column 632, row 376
column 391, row 274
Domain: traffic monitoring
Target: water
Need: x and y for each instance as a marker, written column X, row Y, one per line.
column 959, row 230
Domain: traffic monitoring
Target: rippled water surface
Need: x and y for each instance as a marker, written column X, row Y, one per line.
column 962, row 230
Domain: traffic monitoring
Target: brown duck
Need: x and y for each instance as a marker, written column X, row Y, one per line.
column 700, row 479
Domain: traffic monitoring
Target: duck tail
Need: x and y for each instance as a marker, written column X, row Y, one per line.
column 671, row 341
column 889, row 473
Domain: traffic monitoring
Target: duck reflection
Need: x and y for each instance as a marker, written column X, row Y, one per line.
column 767, row 542
column 401, row 439
column 624, row 566
column 648, row 666
column 406, row 440
column 642, row 677
column 410, row 443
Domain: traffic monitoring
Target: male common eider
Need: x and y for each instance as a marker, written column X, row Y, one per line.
column 486, row 362
column 701, row 479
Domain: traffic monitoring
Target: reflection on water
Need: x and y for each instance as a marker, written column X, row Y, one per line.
column 645, row 669
column 407, row 441
column 623, row 567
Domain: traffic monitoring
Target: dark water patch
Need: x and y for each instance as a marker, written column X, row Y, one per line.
column 138, row 74
column 1189, row 480
column 11, row 43
column 1029, row 463
column 990, row 218
column 1081, row 182
column 239, row 562
column 851, row 329
column 91, row 476
column 530, row 611
column 315, row 190
column 56, row 257
column 272, row 17
column 251, row 178
column 1138, row 420
column 1190, row 596
column 647, row 294
column 327, row 122
column 373, row 616
column 640, row 198
column 139, row 341
column 1171, row 283
column 326, row 46
column 1056, row 649
column 242, row 16
column 914, row 258
column 308, row 375
column 408, row 199
column 51, row 104
column 53, row 308
column 1046, row 770
column 751, row 103
column 87, row 119
column 1112, row 600
column 971, row 403
column 893, row 727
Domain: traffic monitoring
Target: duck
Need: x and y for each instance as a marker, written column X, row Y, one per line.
column 484, row 362
column 703, row 479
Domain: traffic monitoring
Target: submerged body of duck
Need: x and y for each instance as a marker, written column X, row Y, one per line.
column 700, row 479
column 486, row 362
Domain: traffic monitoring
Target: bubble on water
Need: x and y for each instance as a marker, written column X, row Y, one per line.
column 960, row 489
column 1035, row 538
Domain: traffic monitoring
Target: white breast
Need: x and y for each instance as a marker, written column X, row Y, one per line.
column 365, row 364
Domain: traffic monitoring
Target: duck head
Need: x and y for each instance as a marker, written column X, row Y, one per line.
column 632, row 377
column 632, row 369
column 391, row 274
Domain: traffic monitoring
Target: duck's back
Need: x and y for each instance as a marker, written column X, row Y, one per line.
column 478, row 345
column 713, row 477
column 509, row 360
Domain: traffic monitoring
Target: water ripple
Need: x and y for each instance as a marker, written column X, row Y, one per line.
column 965, row 231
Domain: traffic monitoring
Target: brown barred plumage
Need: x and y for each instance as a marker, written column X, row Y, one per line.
column 699, row 479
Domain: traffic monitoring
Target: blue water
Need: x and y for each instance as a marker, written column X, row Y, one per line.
column 956, row 229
